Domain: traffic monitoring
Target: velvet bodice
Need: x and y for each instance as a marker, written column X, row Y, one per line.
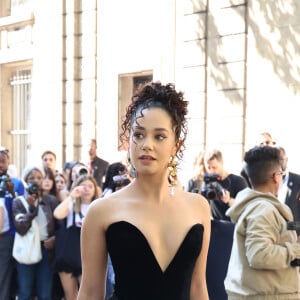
column 139, row 276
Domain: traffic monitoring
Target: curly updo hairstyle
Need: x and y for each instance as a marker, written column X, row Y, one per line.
column 155, row 94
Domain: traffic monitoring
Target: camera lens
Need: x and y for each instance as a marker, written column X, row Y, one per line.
column 33, row 188
column 82, row 171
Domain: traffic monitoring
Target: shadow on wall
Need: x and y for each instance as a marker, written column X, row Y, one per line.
column 280, row 42
column 276, row 31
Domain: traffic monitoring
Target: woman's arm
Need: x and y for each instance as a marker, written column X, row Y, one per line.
column 63, row 194
column 198, row 285
column 63, row 209
column 93, row 255
column 23, row 218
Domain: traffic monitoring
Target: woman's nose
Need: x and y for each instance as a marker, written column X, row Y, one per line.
column 147, row 145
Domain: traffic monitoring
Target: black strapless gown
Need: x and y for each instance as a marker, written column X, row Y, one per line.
column 137, row 273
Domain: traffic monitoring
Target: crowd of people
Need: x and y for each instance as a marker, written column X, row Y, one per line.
column 138, row 233
column 53, row 196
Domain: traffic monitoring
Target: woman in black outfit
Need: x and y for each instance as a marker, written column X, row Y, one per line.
column 156, row 234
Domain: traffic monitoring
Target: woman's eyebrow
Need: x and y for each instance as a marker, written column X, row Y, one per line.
column 138, row 127
column 156, row 129
column 161, row 129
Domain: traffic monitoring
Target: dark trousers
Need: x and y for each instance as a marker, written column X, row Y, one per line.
column 38, row 276
column 6, row 265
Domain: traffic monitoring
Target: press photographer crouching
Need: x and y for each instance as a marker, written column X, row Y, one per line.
column 35, row 226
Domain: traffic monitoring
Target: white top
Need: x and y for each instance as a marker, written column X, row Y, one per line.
column 6, row 220
column 107, row 192
column 42, row 222
column 283, row 189
column 78, row 219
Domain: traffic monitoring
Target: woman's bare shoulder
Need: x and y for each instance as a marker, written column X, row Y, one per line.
column 197, row 203
column 196, row 198
column 103, row 203
column 105, row 209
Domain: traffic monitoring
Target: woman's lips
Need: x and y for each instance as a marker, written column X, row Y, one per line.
column 146, row 157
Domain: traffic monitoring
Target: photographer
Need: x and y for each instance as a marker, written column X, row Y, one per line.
column 9, row 187
column 116, row 177
column 227, row 187
column 40, row 208
column 263, row 250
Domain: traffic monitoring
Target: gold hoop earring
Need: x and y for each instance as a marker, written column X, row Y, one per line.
column 172, row 178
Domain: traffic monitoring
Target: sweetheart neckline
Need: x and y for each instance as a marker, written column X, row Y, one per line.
column 149, row 246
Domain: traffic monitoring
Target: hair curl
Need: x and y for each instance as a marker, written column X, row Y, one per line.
column 154, row 94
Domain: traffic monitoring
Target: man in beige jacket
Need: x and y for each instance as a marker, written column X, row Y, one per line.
column 263, row 250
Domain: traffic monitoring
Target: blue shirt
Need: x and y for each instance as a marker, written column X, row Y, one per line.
column 8, row 198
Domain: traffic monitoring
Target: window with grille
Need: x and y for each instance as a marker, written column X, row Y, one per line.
column 21, row 95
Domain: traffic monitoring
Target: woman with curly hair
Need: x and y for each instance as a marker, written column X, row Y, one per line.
column 155, row 233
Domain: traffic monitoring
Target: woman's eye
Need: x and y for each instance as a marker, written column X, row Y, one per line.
column 138, row 135
column 160, row 137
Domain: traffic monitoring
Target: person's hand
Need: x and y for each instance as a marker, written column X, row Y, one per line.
column 10, row 186
column 76, row 192
column 49, row 243
column 31, row 200
column 225, row 197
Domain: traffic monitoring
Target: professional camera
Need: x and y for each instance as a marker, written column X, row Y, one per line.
column 121, row 180
column 33, row 188
column 294, row 226
column 3, row 184
column 212, row 190
column 82, row 170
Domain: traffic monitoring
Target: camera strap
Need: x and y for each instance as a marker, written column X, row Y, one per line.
column 24, row 202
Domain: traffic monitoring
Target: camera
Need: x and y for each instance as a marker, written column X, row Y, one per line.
column 3, row 184
column 33, row 188
column 212, row 189
column 121, row 180
column 294, row 226
column 82, row 170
